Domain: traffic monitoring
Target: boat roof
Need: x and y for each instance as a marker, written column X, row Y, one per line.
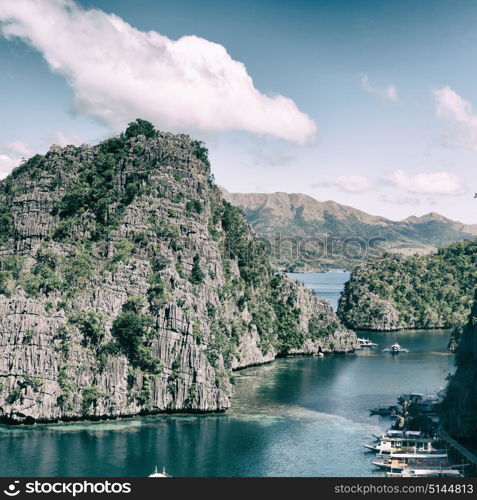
column 408, row 438
column 418, row 455
column 422, row 472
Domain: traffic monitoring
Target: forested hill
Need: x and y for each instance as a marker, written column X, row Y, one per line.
column 302, row 218
column 394, row 292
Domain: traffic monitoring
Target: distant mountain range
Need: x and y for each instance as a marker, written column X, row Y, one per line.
column 307, row 234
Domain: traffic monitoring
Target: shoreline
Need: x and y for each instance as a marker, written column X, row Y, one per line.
column 404, row 329
column 11, row 423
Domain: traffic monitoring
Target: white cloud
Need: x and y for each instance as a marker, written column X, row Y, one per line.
column 7, row 164
column 11, row 156
column 12, row 153
column 389, row 93
column 353, row 183
column 119, row 73
column 428, row 183
column 451, row 106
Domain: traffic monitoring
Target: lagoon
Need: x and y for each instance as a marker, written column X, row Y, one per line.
column 300, row 416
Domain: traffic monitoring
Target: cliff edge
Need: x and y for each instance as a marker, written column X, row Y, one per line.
column 128, row 285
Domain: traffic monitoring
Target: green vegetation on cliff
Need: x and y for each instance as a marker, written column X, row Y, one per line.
column 394, row 292
column 123, row 267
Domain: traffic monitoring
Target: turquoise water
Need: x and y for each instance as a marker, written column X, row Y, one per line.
column 294, row 417
column 326, row 285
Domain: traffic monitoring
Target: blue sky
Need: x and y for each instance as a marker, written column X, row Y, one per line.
column 389, row 86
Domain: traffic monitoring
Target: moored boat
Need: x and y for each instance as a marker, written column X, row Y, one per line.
column 363, row 343
column 399, row 461
column 433, row 472
column 395, row 349
column 405, row 444
column 384, row 411
column 396, row 433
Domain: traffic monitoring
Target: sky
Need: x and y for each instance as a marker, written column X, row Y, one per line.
column 369, row 103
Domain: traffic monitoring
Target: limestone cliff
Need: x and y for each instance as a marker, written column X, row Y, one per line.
column 129, row 286
column 459, row 409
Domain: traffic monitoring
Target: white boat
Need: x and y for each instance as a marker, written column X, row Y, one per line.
column 363, row 343
column 395, row 349
column 426, row 473
column 404, row 444
column 156, row 473
column 401, row 461
column 395, row 433
column 389, row 433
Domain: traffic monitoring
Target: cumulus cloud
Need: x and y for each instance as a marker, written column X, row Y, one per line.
column 11, row 155
column 119, row 73
column 389, row 92
column 435, row 183
column 7, row 164
column 451, row 106
column 353, row 183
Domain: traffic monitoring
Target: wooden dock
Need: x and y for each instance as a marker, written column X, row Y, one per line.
column 464, row 452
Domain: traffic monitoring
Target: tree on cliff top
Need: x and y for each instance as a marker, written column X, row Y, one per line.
column 139, row 127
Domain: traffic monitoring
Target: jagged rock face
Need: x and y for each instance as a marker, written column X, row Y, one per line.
column 129, row 286
column 459, row 409
column 366, row 310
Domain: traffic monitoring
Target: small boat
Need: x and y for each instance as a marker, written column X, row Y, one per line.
column 407, row 472
column 406, row 444
column 395, row 349
column 384, row 411
column 156, row 473
column 389, row 433
column 401, row 461
column 394, row 433
column 363, row 343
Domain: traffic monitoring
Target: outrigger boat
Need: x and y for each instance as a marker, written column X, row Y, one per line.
column 396, row 433
column 395, row 349
column 405, row 444
column 400, row 461
column 426, row 473
column 384, row 411
column 366, row 343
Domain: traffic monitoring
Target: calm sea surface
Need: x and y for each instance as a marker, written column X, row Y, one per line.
column 294, row 417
